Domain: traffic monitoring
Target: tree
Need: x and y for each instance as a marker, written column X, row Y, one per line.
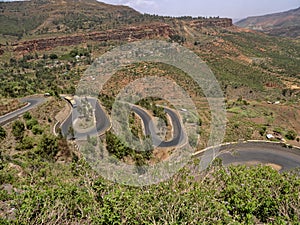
column 31, row 123
column 291, row 135
column 2, row 133
column 71, row 132
column 48, row 147
column 18, row 129
column 36, row 129
column 53, row 56
column 27, row 116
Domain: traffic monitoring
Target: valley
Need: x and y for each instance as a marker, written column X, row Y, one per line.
column 50, row 48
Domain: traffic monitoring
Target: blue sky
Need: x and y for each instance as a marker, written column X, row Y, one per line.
column 224, row 8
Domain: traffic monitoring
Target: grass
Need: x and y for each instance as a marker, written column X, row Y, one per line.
column 45, row 191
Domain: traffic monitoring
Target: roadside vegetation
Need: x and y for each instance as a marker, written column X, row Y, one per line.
column 36, row 190
column 45, row 180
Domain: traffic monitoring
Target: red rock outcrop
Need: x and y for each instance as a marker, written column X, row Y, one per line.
column 126, row 34
column 133, row 33
column 214, row 22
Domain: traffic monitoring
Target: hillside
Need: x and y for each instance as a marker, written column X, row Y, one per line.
column 248, row 65
column 39, row 17
column 286, row 24
column 47, row 45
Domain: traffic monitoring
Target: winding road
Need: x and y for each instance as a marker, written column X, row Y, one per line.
column 249, row 153
column 103, row 123
column 178, row 135
column 253, row 153
column 32, row 103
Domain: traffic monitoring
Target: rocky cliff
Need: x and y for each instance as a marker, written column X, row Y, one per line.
column 217, row 22
column 125, row 34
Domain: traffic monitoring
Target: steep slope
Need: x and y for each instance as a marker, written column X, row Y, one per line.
column 247, row 63
column 279, row 24
column 61, row 16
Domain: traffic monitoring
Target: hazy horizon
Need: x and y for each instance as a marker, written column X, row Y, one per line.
column 236, row 9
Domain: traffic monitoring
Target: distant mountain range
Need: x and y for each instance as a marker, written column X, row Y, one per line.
column 285, row 24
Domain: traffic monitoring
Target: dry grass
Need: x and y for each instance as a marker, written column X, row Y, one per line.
column 9, row 105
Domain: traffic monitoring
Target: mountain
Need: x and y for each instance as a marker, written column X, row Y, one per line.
column 286, row 24
column 47, row 45
column 38, row 17
column 245, row 62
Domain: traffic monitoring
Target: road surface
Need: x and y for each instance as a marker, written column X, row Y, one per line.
column 102, row 122
column 243, row 153
column 178, row 133
column 32, row 103
column 261, row 153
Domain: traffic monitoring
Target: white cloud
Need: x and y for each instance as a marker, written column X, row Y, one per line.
column 140, row 4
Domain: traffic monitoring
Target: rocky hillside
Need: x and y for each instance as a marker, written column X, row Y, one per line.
column 247, row 63
column 279, row 24
column 37, row 25
column 38, row 17
column 126, row 34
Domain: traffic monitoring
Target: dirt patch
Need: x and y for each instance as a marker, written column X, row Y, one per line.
column 274, row 166
column 10, row 105
column 259, row 120
column 64, row 113
column 286, row 115
column 160, row 154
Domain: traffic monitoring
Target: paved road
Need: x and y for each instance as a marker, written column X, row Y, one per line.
column 32, row 103
column 238, row 153
column 102, row 121
column 264, row 153
column 178, row 134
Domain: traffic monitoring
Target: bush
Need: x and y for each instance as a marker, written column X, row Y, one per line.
column 27, row 116
column 48, row 147
column 291, row 135
column 2, row 133
column 31, row 123
column 18, row 129
column 93, row 141
column 262, row 130
column 36, row 129
column 25, row 144
column 53, row 56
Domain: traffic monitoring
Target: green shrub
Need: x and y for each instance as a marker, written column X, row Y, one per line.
column 47, row 147
column 25, row 144
column 31, row 123
column 27, row 116
column 18, row 129
column 2, row 133
column 53, row 56
column 291, row 135
column 36, row 129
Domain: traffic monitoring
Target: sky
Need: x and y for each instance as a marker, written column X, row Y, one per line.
column 236, row 9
